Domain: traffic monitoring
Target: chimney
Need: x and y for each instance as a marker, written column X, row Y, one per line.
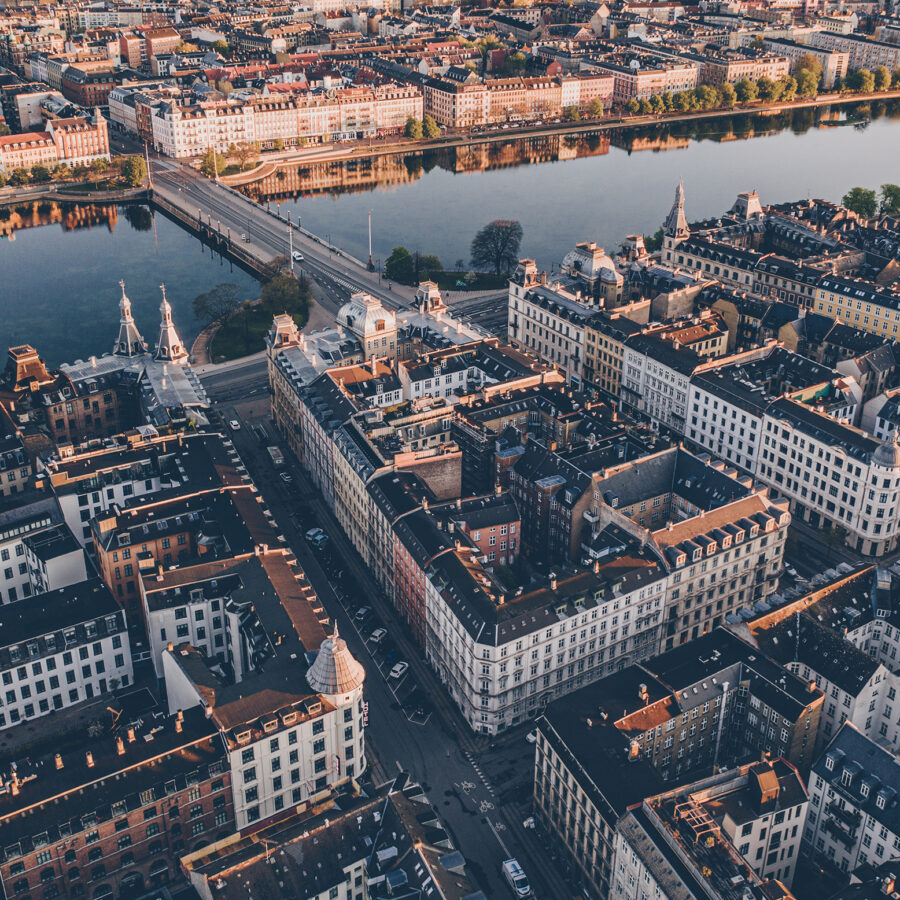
column 170, row 647
column 120, row 746
column 57, row 761
column 179, row 726
column 498, row 489
column 14, row 785
column 209, row 712
column 89, row 759
column 596, row 566
column 553, row 581
column 131, row 737
column 643, row 693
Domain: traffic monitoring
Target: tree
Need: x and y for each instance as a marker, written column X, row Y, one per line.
column 595, row 107
column 746, row 90
column 727, row 94
column 633, row 106
column 399, row 266
column 426, row 264
column 413, row 128
column 811, row 63
column 4, row 129
column 657, row 105
column 430, row 128
column 40, row 174
column 212, row 164
column 882, row 78
column 807, row 83
column 134, row 170
column 283, row 292
column 890, row 200
column 862, row 80
column 653, row 242
column 788, row 87
column 218, row 304
column 757, row 43
column 895, row 78
column 862, row 201
column 278, row 144
column 61, row 172
column 99, row 167
column 2, row 180
column 497, row 245
column 245, row 151
column 769, row 91
column 571, row 114
column 707, row 97
column 222, row 48
column 680, row 101
column 646, row 107
column 516, row 62
column 19, row 176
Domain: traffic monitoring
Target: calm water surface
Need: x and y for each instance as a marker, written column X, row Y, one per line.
column 59, row 276
column 622, row 183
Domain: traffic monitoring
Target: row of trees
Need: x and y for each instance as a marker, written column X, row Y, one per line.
column 428, row 128
column 246, row 153
column 494, row 248
column 866, row 202
column 129, row 171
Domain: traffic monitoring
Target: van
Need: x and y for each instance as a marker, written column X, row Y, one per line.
column 515, row 876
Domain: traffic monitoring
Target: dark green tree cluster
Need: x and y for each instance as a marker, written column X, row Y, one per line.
column 411, row 268
column 428, row 128
column 865, row 202
column 865, row 81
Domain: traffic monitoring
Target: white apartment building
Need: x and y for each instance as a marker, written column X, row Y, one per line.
column 181, row 131
column 728, row 397
column 834, row 475
column 656, row 373
column 548, row 319
column 62, row 648
column 37, row 551
column 853, row 791
column 862, row 52
column 502, row 659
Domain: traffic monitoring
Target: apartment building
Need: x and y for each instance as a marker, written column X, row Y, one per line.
column 862, row 52
column 110, row 815
column 727, row 399
column 677, row 717
column 852, row 802
column 700, row 836
column 864, row 305
column 503, row 657
column 832, row 474
column 61, row 648
column 293, row 729
column 835, row 63
column 641, row 75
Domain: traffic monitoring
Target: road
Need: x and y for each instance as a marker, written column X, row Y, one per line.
column 481, row 790
column 266, row 235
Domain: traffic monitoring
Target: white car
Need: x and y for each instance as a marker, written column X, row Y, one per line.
column 531, row 737
column 378, row 635
column 297, row 256
column 234, row 425
column 399, row 669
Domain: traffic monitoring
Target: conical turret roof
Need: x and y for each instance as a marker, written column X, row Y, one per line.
column 335, row 670
column 888, row 454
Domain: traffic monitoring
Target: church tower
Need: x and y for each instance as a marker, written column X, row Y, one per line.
column 169, row 347
column 675, row 228
column 130, row 343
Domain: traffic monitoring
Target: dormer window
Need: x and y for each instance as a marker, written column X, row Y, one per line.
column 880, row 801
column 864, row 790
column 243, row 737
column 697, row 554
column 270, row 726
column 846, row 777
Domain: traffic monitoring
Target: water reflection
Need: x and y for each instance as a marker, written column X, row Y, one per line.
column 70, row 216
column 359, row 175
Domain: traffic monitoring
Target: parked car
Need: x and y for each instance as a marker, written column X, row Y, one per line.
column 531, row 737
column 515, row 876
column 378, row 635
column 399, row 669
column 361, row 614
column 316, row 537
column 288, row 479
column 234, row 425
column 791, row 571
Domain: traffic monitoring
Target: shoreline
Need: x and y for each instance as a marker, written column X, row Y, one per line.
column 365, row 151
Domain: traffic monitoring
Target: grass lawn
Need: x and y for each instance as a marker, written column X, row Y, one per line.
column 244, row 333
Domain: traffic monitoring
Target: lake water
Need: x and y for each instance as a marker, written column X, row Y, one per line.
column 599, row 187
column 60, row 266
column 59, row 275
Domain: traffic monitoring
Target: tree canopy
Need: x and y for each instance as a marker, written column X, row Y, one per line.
column 862, row 201
column 890, row 200
column 134, row 170
column 496, row 246
column 399, row 266
column 217, row 304
column 212, row 163
column 430, row 128
column 413, row 128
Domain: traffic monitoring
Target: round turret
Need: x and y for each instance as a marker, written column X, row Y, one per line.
column 335, row 670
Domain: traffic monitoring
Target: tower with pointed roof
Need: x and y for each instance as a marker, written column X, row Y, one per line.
column 336, row 673
column 129, row 343
column 675, row 228
column 169, row 347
